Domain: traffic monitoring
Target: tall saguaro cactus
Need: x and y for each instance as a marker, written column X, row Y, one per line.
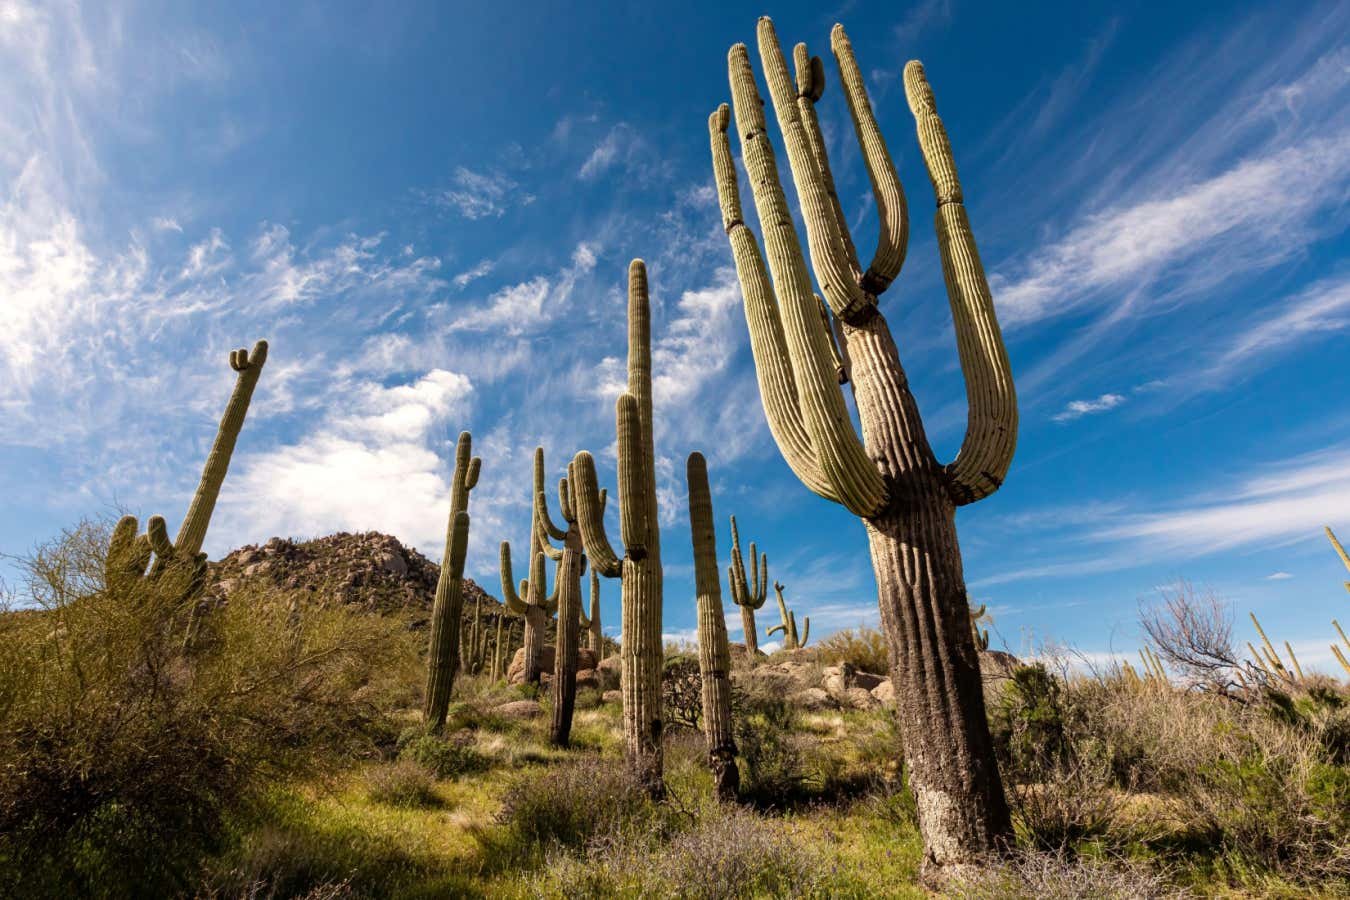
column 443, row 643
column 129, row 553
column 642, row 654
column 714, row 655
column 534, row 603
column 571, row 560
column 748, row 595
column 791, row 639
column 890, row 478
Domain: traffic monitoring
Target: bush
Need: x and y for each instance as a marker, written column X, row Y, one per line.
column 865, row 649
column 772, row 768
column 1055, row 876
column 570, row 805
column 443, row 757
column 402, row 783
column 682, row 692
column 124, row 751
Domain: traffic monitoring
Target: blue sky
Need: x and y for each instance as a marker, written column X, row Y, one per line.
column 428, row 209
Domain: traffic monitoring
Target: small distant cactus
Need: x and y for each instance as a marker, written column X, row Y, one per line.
column 714, row 655
column 179, row 567
column 791, row 640
column 595, row 639
column 1340, row 551
column 533, row 602
column 443, row 643
column 748, row 595
column 981, row 634
column 641, row 647
column 571, row 560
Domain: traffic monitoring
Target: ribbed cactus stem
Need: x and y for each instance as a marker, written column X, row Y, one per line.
column 571, row 560
column 642, row 653
column 1340, row 551
column 748, row 594
column 444, row 642
column 714, row 654
column 791, row 640
column 890, row 477
column 192, row 533
column 596, row 640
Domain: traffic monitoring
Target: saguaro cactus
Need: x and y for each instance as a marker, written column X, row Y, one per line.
column 443, row 643
column 714, row 656
column 891, row 478
column 129, row 554
column 640, row 567
column 791, row 640
column 1340, row 551
column 591, row 624
column 748, row 595
column 533, row 602
column 571, row 560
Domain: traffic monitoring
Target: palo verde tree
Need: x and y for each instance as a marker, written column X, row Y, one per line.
column 891, row 478
column 641, row 651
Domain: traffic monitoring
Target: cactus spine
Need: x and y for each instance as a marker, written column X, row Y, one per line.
column 641, row 650
column 748, row 595
column 180, row 563
column 789, row 626
column 443, row 642
column 571, row 560
column 714, row 655
column 533, row 602
column 891, row 478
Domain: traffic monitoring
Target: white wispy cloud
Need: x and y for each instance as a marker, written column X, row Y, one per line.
column 481, row 195
column 1279, row 576
column 472, row 274
column 523, row 307
column 1076, row 409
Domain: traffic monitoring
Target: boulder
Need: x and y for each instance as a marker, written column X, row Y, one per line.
column 857, row 698
column 587, row 678
column 885, row 692
column 515, row 673
column 813, row 699
column 520, row 709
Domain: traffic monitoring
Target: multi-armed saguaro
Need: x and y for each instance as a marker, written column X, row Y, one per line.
column 791, row 639
column 640, row 567
column 571, row 560
column 748, row 595
column 129, row 553
column 714, row 655
column 891, row 478
column 443, row 644
column 533, row 602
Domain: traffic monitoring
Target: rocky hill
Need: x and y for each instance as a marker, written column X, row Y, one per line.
column 371, row 570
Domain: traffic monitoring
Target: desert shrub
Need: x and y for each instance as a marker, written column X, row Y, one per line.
column 1055, row 876
column 772, row 765
column 123, row 750
column 587, row 698
column 1058, row 775
column 448, row 756
column 682, row 692
column 569, row 805
column 865, row 649
column 401, row 783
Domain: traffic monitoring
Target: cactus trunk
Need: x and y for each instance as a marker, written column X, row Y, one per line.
column 748, row 626
column 443, row 642
column 890, row 478
column 641, row 650
column 714, row 656
column 568, row 637
column 595, row 636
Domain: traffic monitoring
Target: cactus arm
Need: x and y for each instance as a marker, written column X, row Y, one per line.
column 834, row 270
column 591, row 521
column 840, row 369
column 736, row 571
column 192, row 533
column 510, row 599
column 853, row 477
column 806, row 632
column 128, row 553
column 768, row 345
column 1340, row 551
column 991, row 428
column 762, row 588
column 810, row 87
column 545, row 522
column 892, row 208
column 1298, row 669
column 542, row 524
column 770, row 632
column 635, row 519
column 1340, row 658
